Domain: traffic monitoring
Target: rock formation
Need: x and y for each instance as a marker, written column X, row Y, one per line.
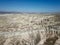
column 29, row 29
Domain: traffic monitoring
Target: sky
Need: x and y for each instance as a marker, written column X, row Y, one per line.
column 30, row 5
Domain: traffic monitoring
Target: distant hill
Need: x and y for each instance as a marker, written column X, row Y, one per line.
column 6, row 12
column 2, row 12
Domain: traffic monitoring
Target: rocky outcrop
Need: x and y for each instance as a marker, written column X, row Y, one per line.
column 57, row 42
column 29, row 29
column 22, row 22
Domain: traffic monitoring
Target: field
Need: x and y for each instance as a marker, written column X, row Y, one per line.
column 29, row 29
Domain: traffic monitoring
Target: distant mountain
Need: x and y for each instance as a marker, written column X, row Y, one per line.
column 6, row 12
column 12, row 12
column 50, row 13
column 2, row 12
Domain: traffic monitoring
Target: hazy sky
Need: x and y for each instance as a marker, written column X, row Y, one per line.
column 30, row 5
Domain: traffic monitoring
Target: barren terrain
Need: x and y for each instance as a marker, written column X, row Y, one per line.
column 29, row 29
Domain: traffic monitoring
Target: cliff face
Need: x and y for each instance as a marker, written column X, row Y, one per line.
column 29, row 29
